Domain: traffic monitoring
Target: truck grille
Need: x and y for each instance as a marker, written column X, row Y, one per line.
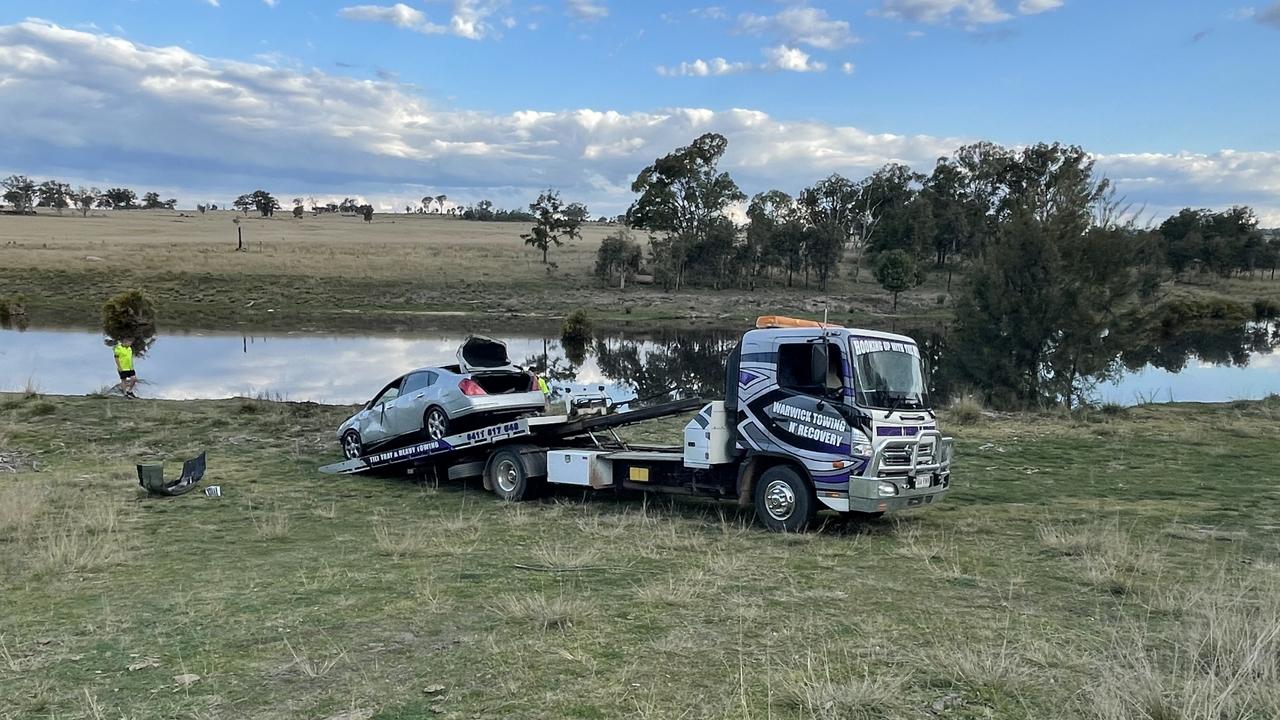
column 900, row 457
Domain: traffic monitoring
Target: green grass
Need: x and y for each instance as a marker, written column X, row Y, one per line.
column 1103, row 566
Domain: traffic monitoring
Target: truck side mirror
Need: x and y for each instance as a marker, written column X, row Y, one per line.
column 818, row 365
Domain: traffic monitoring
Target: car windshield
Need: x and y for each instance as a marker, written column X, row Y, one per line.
column 889, row 375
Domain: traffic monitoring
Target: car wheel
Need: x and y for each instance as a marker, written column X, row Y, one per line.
column 435, row 424
column 352, row 448
column 783, row 500
column 508, row 477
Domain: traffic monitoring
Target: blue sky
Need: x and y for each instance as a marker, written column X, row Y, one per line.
column 487, row 98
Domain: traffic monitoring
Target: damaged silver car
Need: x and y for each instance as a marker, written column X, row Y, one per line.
column 433, row 403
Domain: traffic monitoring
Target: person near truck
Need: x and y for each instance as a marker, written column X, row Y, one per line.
column 124, row 366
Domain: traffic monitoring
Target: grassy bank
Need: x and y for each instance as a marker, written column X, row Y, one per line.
column 1118, row 565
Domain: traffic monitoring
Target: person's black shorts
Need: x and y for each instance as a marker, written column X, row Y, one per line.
column 126, row 374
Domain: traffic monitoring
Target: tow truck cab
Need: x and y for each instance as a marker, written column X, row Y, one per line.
column 848, row 406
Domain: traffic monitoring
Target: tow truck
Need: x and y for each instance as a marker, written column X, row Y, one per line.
column 814, row 416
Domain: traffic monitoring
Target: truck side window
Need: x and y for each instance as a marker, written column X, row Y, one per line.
column 794, row 367
column 795, row 370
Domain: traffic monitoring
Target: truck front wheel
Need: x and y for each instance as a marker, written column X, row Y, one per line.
column 783, row 500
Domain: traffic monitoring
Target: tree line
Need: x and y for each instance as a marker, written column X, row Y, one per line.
column 951, row 215
column 24, row 195
column 1060, row 275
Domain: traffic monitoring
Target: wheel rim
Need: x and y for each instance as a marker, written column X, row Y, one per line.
column 351, row 446
column 507, row 475
column 435, row 424
column 779, row 500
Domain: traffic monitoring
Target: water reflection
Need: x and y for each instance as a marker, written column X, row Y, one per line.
column 1212, row 363
column 343, row 369
column 1208, row 358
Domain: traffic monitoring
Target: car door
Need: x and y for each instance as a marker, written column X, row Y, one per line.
column 374, row 429
column 404, row 416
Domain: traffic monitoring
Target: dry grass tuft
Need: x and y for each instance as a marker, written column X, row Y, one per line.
column 543, row 612
column 1110, row 557
column 669, row 591
column 397, row 541
column 72, row 548
column 562, row 558
column 271, row 525
column 1223, row 661
column 985, row 672
column 428, row 597
column 20, row 506
column 314, row 668
column 965, row 409
column 818, row 691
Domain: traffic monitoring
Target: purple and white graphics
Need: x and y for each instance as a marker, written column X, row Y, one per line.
column 808, row 423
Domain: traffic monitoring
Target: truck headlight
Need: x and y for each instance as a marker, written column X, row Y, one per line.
column 887, row 489
column 862, row 450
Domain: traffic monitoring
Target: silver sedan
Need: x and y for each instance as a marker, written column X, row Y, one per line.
column 433, row 403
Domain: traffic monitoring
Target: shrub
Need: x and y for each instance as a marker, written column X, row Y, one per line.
column 1266, row 309
column 129, row 314
column 575, row 334
column 577, row 328
column 965, row 409
column 12, row 307
column 897, row 271
column 1111, row 409
column 619, row 255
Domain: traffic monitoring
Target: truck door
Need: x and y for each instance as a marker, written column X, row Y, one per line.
column 804, row 412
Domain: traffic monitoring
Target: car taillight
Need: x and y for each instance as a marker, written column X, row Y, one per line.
column 470, row 387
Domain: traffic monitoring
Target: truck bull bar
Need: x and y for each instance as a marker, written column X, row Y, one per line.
column 929, row 452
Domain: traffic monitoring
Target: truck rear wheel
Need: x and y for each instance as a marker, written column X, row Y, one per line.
column 508, row 477
column 783, row 500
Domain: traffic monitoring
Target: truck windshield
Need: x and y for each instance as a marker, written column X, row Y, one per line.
column 889, row 375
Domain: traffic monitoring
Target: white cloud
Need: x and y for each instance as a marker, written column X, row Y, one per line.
column 270, row 3
column 800, row 25
column 400, row 15
column 968, row 12
column 1035, row 7
column 469, row 18
column 587, row 10
column 1269, row 15
column 847, row 68
column 214, row 3
column 790, row 59
column 704, row 68
column 210, row 128
column 780, row 58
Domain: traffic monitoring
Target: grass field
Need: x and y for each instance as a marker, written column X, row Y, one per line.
column 1112, row 565
column 335, row 273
